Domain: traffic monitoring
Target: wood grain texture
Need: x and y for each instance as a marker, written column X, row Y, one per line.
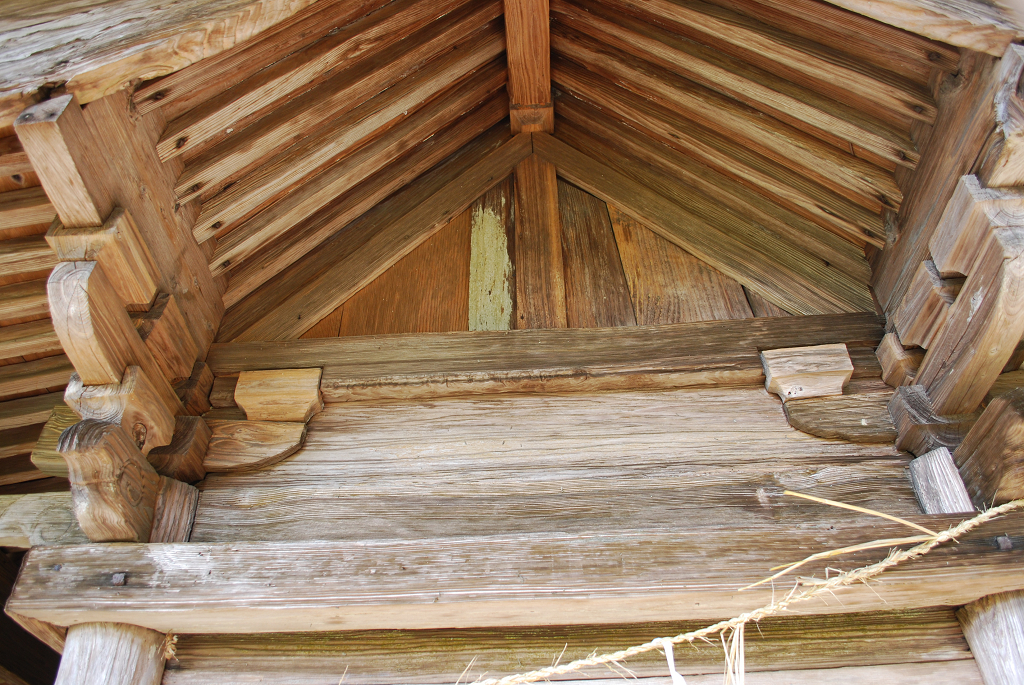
column 557, row 463
column 132, row 404
column 44, row 518
column 25, row 207
column 1002, row 164
column 23, row 259
column 540, row 276
column 923, row 312
column 222, row 393
column 34, row 377
column 491, row 275
column 762, row 307
column 29, row 410
column 570, row 359
column 96, row 332
column 34, row 339
column 529, row 65
column 938, row 485
column 250, row 445
column 426, row 291
column 596, row 291
column 668, row 285
column 812, row 371
column 194, row 391
column 118, row 246
column 164, row 330
column 182, row 459
column 113, row 487
column 279, row 395
column 112, row 653
column 992, row 628
column 920, row 428
column 989, row 458
column 924, row 638
column 46, row 456
column 20, row 302
column 461, row 582
column 899, row 365
column 858, row 417
column 174, row 511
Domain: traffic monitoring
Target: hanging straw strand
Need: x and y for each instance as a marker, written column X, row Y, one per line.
column 851, row 577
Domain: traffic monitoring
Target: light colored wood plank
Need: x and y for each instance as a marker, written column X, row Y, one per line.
column 29, row 410
column 990, row 456
column 119, row 248
column 279, row 395
column 44, row 518
column 22, row 302
column 815, row 371
column 672, row 574
column 491, row 279
column 32, row 338
column 762, row 307
column 111, row 653
column 25, row 258
column 26, row 207
column 45, row 456
column 529, row 65
column 596, row 290
column 426, row 291
column 992, row 628
column 113, row 487
column 667, row 284
column 251, row 445
column 938, row 485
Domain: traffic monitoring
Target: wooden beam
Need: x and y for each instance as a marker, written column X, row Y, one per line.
column 21, row 302
column 399, row 236
column 165, row 332
column 48, row 373
column 174, row 512
column 113, row 654
column 923, row 312
column 920, row 428
column 535, row 579
column 29, row 410
column 251, row 445
column 24, row 208
column 182, row 459
column 811, row 371
column 743, row 261
column 529, row 65
column 899, row 366
column 33, row 338
column 860, row 416
column 992, row 628
column 938, row 485
column 540, row 281
column 194, row 391
column 991, row 456
column 431, row 365
column 1003, row 161
column 45, row 455
column 26, row 258
column 44, row 518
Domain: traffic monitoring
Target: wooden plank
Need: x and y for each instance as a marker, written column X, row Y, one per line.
column 111, row 653
column 920, row 638
column 738, row 260
column 540, row 278
column 22, row 259
column 22, row 302
column 491, row 279
column 982, row 329
column 991, row 626
column 33, row 338
column 29, row 410
column 604, row 80
column 529, row 65
column 591, row 129
column 345, row 209
column 596, row 290
column 200, row 80
column 132, row 403
column 96, row 332
column 44, row 518
column 18, row 469
column 966, row 23
column 207, row 173
column 862, row 416
column 938, row 485
column 45, row 455
column 426, row 291
column 119, row 247
column 182, row 459
column 666, row 284
column 676, row 573
column 29, row 378
column 762, row 307
column 235, row 106
column 443, row 90
column 279, row 395
column 989, row 458
column 13, row 159
column 801, row 107
column 392, row 242
column 17, row 441
column 251, row 445
column 25, row 208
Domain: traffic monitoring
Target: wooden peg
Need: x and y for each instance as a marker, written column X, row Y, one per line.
column 166, row 335
column 279, row 395
column 119, row 247
column 183, row 458
column 815, row 371
column 113, row 487
column 132, row 404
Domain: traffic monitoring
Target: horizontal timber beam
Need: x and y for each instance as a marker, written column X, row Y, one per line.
column 504, row 580
column 436, row 364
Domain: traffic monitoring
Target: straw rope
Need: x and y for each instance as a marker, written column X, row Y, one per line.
column 858, row 575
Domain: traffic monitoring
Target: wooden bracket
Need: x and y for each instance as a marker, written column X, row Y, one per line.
column 816, row 371
column 991, row 456
column 919, row 428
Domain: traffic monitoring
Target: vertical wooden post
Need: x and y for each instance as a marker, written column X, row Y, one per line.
column 528, row 40
column 540, row 278
column 111, row 654
column 994, row 628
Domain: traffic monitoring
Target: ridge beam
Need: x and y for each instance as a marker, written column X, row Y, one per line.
column 528, row 39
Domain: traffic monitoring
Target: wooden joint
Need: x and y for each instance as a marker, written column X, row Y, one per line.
column 991, row 456
column 194, row 391
column 182, row 459
column 166, row 334
column 899, row 365
column 922, row 314
column 919, row 428
column 816, row 371
column 280, row 394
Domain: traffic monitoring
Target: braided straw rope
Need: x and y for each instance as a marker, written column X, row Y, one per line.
column 844, row 579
